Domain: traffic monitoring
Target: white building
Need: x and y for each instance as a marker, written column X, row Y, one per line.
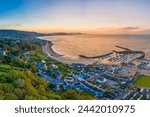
column 2, row 52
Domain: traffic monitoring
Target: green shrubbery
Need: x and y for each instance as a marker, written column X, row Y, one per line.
column 19, row 78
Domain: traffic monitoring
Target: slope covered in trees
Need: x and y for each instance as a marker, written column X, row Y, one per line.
column 19, row 76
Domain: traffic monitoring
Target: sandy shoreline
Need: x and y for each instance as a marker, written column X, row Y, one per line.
column 48, row 50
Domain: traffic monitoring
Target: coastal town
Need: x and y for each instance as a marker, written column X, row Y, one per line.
column 118, row 75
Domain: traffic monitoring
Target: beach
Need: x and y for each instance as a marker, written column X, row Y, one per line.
column 48, row 50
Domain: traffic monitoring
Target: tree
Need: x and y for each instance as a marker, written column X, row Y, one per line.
column 18, row 92
column 20, row 62
column 19, row 83
column 41, row 90
column 1, row 86
column 10, row 96
column 2, row 94
column 53, row 96
column 8, row 88
column 75, row 95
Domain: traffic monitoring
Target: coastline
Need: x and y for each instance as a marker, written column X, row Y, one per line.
column 47, row 48
column 51, row 50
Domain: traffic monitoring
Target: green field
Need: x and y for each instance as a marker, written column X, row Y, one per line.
column 5, row 66
column 143, row 81
column 4, row 70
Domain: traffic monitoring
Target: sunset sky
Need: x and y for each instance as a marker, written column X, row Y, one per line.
column 93, row 16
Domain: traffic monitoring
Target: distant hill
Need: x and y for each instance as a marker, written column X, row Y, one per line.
column 15, row 34
column 25, row 35
column 63, row 33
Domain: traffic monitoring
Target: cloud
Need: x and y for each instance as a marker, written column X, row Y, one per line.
column 5, row 26
column 131, row 28
column 119, row 30
column 18, row 25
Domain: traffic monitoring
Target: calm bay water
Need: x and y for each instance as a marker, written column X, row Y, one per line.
column 92, row 45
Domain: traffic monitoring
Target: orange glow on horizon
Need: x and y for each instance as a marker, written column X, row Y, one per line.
column 114, row 30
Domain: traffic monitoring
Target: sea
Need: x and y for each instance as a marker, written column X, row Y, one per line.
column 71, row 46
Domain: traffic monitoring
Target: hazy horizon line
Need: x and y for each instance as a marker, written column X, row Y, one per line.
column 72, row 32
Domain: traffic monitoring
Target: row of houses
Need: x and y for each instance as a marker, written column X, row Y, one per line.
column 139, row 94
